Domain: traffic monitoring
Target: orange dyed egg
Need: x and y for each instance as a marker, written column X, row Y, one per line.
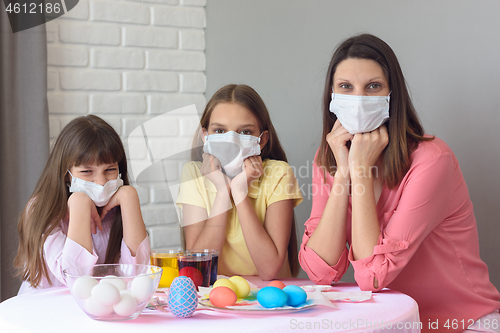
column 222, row 297
column 277, row 284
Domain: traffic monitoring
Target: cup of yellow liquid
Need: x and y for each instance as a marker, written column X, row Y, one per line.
column 166, row 259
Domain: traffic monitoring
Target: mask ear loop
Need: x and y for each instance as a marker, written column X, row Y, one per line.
column 258, row 139
column 388, row 97
column 72, row 177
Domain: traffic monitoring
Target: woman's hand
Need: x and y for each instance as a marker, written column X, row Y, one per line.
column 252, row 170
column 81, row 205
column 212, row 170
column 337, row 140
column 366, row 149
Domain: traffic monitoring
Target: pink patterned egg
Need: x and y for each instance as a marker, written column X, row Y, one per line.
column 182, row 297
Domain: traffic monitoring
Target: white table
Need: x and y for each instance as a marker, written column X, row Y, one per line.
column 54, row 310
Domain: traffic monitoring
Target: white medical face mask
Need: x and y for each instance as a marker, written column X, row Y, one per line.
column 100, row 194
column 360, row 114
column 231, row 149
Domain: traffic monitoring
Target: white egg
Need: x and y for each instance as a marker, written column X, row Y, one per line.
column 126, row 306
column 114, row 280
column 125, row 292
column 93, row 307
column 142, row 287
column 106, row 294
column 82, row 287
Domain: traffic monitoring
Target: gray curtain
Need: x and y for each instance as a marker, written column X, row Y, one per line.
column 24, row 133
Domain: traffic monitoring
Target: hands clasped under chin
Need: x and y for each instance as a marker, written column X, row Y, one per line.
column 366, row 149
column 252, row 169
column 364, row 152
column 81, row 204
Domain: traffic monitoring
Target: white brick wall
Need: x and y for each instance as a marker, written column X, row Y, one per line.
column 129, row 61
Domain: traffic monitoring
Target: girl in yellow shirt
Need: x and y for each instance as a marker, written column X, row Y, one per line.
column 238, row 193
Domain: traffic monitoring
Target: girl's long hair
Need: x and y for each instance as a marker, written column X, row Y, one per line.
column 403, row 126
column 250, row 99
column 85, row 140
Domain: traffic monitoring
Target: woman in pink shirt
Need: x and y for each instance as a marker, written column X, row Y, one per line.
column 395, row 195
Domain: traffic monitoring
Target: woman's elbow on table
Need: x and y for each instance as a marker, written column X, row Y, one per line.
column 319, row 274
column 369, row 283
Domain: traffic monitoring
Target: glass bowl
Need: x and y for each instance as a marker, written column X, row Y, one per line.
column 113, row 292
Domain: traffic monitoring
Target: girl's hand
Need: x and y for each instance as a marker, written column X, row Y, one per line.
column 252, row 170
column 337, row 140
column 124, row 193
column 81, row 203
column 366, row 148
column 212, row 170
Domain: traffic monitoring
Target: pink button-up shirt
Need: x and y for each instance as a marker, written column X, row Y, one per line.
column 62, row 252
column 428, row 246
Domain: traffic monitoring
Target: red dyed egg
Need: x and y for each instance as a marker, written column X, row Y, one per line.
column 192, row 273
column 277, row 284
column 222, row 297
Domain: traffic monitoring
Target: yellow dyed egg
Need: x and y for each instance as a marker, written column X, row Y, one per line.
column 168, row 275
column 225, row 283
column 242, row 288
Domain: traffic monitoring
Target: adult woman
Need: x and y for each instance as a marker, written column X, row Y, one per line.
column 394, row 194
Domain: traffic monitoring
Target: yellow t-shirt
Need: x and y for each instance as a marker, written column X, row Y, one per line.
column 277, row 183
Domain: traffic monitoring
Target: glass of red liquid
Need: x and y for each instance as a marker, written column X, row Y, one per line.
column 215, row 265
column 196, row 265
column 215, row 262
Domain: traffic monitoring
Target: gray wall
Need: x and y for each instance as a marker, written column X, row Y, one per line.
column 449, row 51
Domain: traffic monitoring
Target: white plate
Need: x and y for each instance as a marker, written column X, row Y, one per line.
column 256, row 308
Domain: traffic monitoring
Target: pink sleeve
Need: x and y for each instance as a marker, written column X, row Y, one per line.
column 424, row 203
column 316, row 268
column 62, row 252
column 141, row 256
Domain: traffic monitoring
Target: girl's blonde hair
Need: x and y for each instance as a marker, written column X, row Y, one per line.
column 84, row 141
column 251, row 100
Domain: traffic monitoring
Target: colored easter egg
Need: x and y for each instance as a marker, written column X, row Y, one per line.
column 242, row 288
column 182, row 297
column 222, row 297
column 295, row 295
column 271, row 297
column 168, row 275
column 193, row 273
column 224, row 283
column 277, row 284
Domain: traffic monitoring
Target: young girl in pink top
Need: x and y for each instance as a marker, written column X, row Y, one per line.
column 395, row 195
column 82, row 211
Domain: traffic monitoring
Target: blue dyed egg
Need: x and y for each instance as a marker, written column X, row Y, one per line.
column 296, row 296
column 182, row 297
column 271, row 297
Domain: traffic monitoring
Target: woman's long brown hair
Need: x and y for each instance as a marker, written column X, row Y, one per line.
column 85, row 140
column 250, row 99
column 403, row 126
